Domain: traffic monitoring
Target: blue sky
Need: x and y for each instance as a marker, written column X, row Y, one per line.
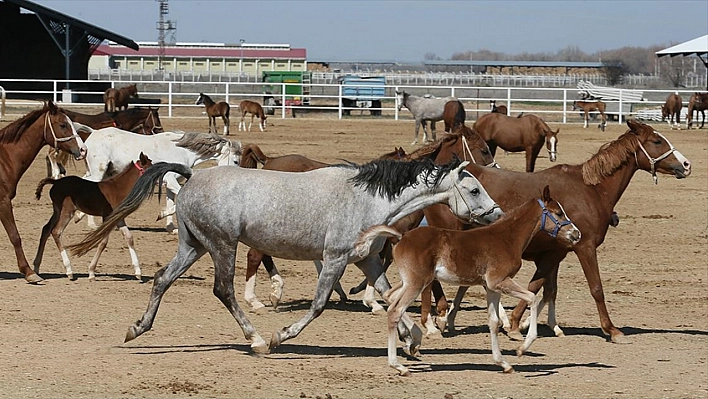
column 405, row 31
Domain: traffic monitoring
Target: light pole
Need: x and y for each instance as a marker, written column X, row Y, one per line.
column 241, row 61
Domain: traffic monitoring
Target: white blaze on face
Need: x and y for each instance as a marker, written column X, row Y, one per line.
column 552, row 151
column 685, row 162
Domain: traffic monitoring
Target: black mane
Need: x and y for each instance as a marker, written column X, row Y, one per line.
column 388, row 178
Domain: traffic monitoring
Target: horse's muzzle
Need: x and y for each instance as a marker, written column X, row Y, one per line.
column 82, row 153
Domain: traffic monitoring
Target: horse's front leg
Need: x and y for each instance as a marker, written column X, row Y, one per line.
column 417, row 128
column 332, row 270
column 172, row 187
column 8, row 221
column 432, row 130
column 585, row 125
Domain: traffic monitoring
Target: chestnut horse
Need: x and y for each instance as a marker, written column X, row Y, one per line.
column 489, row 256
column 525, row 133
column 214, row 109
column 589, row 106
column 672, row 109
column 20, row 142
column 255, row 109
column 589, row 193
column 699, row 103
column 117, row 99
column 93, row 198
column 501, row 109
column 251, row 156
column 453, row 115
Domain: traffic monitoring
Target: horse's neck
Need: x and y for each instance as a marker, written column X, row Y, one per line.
column 413, row 199
column 524, row 221
column 21, row 153
column 613, row 186
column 208, row 102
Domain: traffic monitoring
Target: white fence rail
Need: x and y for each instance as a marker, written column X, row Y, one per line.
column 177, row 98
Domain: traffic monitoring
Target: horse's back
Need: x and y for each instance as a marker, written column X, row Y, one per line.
column 123, row 147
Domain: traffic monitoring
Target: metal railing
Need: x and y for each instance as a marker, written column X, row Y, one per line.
column 177, row 98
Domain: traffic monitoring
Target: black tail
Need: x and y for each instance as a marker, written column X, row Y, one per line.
column 40, row 186
column 142, row 190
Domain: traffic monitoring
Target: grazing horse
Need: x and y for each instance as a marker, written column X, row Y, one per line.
column 453, row 115
column 489, row 256
column 525, row 133
column 251, row 156
column 589, row 193
column 672, row 109
column 315, row 215
column 20, row 142
column 423, row 109
column 699, row 103
column 255, row 109
column 501, row 109
column 214, row 109
column 190, row 149
column 589, row 106
column 117, row 99
column 94, row 198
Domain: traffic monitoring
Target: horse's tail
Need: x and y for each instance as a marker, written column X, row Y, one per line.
column 40, row 186
column 142, row 190
column 362, row 246
column 251, row 156
column 111, row 103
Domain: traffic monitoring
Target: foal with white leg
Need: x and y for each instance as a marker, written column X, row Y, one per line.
column 489, row 256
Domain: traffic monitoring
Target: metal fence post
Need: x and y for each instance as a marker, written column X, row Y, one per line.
column 169, row 99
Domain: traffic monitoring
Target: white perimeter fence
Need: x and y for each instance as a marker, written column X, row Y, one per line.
column 325, row 100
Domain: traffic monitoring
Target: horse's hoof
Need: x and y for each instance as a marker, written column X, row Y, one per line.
column 260, row 348
column 71, row 277
column 520, row 351
column 378, row 310
column 515, row 335
column 508, row 369
column 274, row 300
column 33, row 279
column 620, row 339
column 435, row 335
column 131, row 334
column 441, row 323
column 558, row 331
column 92, row 278
column 275, row 340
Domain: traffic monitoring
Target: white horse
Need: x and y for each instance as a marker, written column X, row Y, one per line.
column 315, row 215
column 423, row 109
column 116, row 146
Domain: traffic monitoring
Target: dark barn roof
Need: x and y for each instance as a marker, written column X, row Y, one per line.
column 96, row 35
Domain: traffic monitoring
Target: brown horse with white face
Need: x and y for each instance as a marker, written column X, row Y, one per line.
column 589, row 193
column 214, row 109
column 672, row 109
column 591, row 106
column 251, row 107
column 20, row 142
column 499, row 109
column 117, row 99
column 525, row 133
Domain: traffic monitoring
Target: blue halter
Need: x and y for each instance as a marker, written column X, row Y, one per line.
column 547, row 214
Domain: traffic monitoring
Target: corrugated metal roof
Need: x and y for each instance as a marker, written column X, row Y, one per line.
column 203, row 52
column 698, row 46
column 530, row 64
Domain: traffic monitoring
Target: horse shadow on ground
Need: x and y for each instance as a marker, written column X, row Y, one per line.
column 100, row 277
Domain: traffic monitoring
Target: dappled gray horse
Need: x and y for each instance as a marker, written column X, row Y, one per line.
column 315, row 215
column 423, row 109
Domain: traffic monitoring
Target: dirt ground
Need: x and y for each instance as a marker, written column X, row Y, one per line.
column 64, row 338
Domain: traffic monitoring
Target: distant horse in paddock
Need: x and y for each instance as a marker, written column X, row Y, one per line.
column 590, row 106
column 453, row 115
column 424, row 109
column 221, row 206
column 499, row 109
column 20, row 142
column 251, row 156
column 489, row 256
column 73, row 193
column 255, row 109
column 214, row 109
column 117, row 99
column 525, row 133
column 672, row 109
column 699, row 103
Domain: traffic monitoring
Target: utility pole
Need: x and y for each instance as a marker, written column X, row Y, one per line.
column 162, row 27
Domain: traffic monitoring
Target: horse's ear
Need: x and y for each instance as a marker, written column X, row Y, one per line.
column 546, row 194
column 634, row 125
column 462, row 167
column 143, row 157
column 53, row 109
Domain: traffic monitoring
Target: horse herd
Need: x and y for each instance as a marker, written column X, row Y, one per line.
column 366, row 214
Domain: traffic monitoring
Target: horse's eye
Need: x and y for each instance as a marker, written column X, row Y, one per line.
column 63, row 125
column 657, row 142
column 475, row 191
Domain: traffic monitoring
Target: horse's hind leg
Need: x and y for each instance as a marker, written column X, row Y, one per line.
column 369, row 300
column 224, row 270
column 432, row 131
column 227, row 124
column 493, row 311
column 131, row 249
column 46, row 231
column 254, row 259
column 337, row 286
column 585, row 124
column 188, row 251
